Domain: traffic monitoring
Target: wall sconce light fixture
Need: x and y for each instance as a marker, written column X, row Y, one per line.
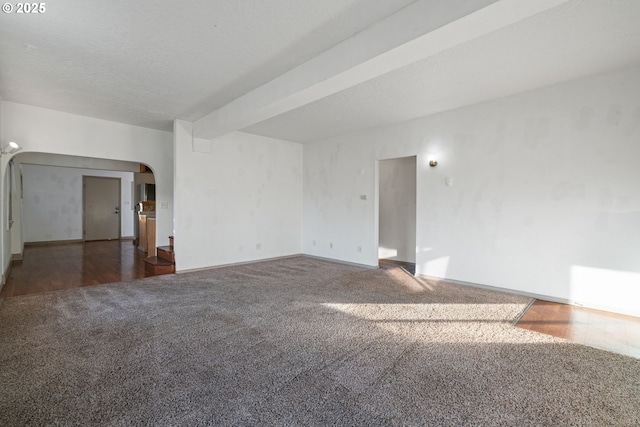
column 432, row 161
column 10, row 148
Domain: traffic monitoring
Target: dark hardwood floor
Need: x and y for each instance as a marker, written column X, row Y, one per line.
column 51, row 267
column 409, row 267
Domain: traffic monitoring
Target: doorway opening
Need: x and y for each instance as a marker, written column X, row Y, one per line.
column 58, row 217
column 397, row 212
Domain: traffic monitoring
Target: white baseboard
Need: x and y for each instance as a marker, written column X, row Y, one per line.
column 536, row 296
column 233, row 264
column 354, row 264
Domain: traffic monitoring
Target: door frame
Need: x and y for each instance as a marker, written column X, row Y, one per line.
column 84, row 217
column 376, row 219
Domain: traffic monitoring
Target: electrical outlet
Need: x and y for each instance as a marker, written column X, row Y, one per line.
column 164, row 205
column 331, row 245
column 258, row 246
column 359, row 248
column 314, row 243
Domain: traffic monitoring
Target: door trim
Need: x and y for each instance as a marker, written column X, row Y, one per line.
column 376, row 218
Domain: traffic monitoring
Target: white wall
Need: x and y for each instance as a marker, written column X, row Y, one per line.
column 235, row 193
column 52, row 202
column 49, row 131
column 397, row 209
column 5, row 240
column 75, row 162
column 545, row 196
column 17, row 229
column 5, row 228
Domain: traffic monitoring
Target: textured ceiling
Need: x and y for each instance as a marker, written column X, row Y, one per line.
column 148, row 62
column 570, row 41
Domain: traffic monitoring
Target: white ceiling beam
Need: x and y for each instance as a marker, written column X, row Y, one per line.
column 416, row 32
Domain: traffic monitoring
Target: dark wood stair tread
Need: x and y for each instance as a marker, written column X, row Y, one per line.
column 156, row 265
column 166, row 248
column 154, row 260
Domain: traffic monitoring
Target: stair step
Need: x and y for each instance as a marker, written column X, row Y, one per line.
column 157, row 261
column 156, row 265
column 166, row 253
column 171, row 241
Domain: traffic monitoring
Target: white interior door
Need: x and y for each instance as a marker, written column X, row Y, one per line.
column 101, row 203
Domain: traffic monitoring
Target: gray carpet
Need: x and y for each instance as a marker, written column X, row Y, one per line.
column 298, row 341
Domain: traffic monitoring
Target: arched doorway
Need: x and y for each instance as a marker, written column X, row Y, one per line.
column 48, row 244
